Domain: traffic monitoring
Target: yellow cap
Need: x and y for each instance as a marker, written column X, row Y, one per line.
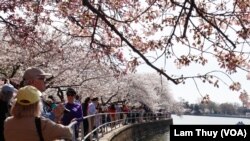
column 28, row 95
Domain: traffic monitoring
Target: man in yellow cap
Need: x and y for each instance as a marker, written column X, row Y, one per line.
column 22, row 126
column 37, row 77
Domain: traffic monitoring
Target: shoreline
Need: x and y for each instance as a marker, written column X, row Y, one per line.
column 218, row 115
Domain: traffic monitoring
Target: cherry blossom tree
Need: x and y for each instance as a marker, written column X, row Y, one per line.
column 139, row 89
column 70, row 64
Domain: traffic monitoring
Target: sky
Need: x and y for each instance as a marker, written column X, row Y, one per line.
column 189, row 92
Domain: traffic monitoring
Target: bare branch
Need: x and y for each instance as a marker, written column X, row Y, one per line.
column 187, row 18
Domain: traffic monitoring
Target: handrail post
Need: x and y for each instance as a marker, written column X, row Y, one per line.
column 72, row 125
column 82, row 130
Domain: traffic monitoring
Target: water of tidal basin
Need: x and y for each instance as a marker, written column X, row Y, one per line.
column 197, row 120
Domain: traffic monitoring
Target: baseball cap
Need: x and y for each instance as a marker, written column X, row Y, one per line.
column 8, row 88
column 28, row 95
column 33, row 72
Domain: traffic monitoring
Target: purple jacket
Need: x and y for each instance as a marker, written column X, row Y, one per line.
column 75, row 112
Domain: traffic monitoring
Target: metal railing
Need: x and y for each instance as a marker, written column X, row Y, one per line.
column 73, row 125
column 107, row 124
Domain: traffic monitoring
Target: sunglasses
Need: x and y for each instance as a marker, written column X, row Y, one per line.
column 42, row 78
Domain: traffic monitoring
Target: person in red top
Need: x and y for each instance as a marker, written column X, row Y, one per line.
column 112, row 113
column 125, row 109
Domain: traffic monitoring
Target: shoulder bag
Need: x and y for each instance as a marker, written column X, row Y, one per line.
column 38, row 128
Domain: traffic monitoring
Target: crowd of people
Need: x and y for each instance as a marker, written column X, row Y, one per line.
column 24, row 115
column 27, row 115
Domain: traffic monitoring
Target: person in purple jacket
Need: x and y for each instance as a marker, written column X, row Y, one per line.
column 74, row 109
